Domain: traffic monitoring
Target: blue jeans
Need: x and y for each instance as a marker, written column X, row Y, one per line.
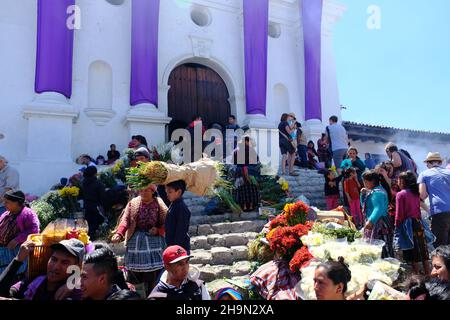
column 2, row 210
column 302, row 151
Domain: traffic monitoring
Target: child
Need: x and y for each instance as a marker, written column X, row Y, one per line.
column 178, row 216
column 352, row 190
column 177, row 282
column 408, row 224
column 331, row 189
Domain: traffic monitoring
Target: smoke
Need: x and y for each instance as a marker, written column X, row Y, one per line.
column 419, row 148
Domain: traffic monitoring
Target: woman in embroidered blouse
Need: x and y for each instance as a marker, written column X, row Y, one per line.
column 408, row 223
column 142, row 228
column 18, row 222
column 375, row 198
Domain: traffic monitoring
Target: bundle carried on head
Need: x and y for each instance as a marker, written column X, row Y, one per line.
column 200, row 176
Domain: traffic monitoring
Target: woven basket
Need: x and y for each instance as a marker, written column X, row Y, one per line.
column 38, row 260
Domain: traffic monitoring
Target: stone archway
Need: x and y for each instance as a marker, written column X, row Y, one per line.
column 196, row 89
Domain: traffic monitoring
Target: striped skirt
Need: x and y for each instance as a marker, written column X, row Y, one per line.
column 144, row 252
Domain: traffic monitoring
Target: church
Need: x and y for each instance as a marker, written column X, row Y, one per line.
column 79, row 75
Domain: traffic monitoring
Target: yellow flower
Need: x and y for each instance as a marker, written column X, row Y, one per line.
column 117, row 167
column 285, row 186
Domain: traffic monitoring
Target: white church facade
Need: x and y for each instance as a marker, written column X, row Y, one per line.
column 204, row 63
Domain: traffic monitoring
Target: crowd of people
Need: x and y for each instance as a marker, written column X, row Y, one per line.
column 386, row 201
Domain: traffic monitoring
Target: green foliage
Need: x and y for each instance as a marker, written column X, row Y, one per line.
column 344, row 232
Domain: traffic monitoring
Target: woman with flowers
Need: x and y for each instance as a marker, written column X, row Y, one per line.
column 142, row 228
column 375, row 198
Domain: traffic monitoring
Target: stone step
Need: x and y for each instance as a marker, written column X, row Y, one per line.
column 227, row 227
column 209, row 273
column 205, row 219
column 218, row 240
column 219, row 255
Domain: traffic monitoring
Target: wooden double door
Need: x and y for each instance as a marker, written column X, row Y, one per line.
column 197, row 90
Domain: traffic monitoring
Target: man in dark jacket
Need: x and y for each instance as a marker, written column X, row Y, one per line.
column 93, row 195
column 99, row 275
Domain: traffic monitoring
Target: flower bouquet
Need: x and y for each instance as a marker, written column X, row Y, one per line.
column 70, row 198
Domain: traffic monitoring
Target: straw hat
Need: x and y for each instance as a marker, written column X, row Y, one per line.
column 434, row 156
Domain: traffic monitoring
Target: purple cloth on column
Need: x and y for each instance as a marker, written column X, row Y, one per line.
column 144, row 52
column 256, row 24
column 54, row 51
column 312, row 35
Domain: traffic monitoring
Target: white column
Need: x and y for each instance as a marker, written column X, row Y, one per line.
column 332, row 12
column 49, row 142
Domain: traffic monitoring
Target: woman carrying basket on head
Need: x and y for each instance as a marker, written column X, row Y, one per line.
column 142, row 228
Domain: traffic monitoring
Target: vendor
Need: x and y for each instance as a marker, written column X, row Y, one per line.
column 375, row 198
column 51, row 286
column 142, row 229
column 331, row 279
column 18, row 222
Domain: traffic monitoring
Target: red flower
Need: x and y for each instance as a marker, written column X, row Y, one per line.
column 300, row 260
column 279, row 221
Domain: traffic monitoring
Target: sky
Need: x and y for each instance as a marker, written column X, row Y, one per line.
column 398, row 75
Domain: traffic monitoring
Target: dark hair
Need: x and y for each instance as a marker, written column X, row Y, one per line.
column 195, row 117
column 410, row 181
column 284, row 117
column 348, row 172
column 177, row 185
column 312, row 143
column 141, row 139
column 334, row 119
column 438, row 289
column 89, row 172
column 15, row 196
column 352, row 149
column 338, row 272
column 392, row 148
column 112, row 145
column 103, row 261
column 416, row 286
column 378, row 179
column 232, row 116
column 444, row 253
column 126, row 295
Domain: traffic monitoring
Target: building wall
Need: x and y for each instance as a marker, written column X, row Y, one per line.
column 102, row 50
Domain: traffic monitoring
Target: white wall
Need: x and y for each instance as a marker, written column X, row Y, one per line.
column 105, row 38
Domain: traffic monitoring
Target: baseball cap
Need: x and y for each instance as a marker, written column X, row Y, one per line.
column 74, row 246
column 175, row 254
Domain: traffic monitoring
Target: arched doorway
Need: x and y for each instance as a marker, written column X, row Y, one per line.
column 197, row 90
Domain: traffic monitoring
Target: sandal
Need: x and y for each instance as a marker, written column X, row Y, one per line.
column 294, row 174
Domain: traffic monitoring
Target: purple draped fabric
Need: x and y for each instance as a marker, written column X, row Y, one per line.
column 54, row 51
column 256, row 16
column 144, row 54
column 312, row 35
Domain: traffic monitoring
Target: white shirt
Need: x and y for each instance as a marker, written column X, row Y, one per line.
column 338, row 137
